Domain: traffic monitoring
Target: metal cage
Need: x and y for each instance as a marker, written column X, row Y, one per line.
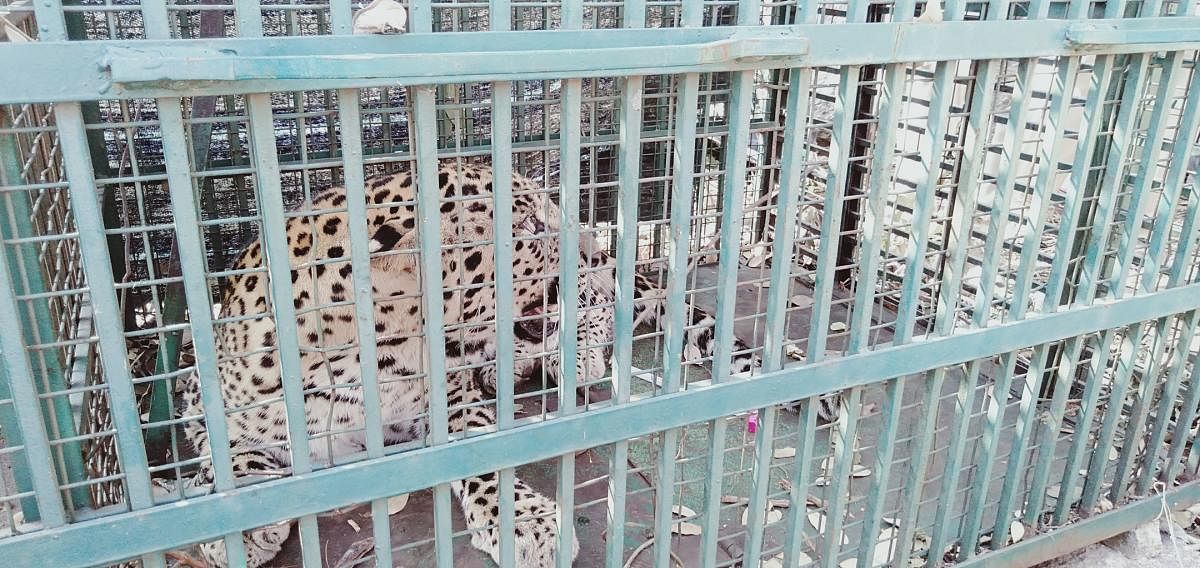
column 970, row 227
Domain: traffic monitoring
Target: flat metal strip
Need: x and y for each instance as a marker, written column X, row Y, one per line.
column 249, row 65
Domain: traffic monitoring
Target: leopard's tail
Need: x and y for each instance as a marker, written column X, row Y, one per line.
column 650, row 308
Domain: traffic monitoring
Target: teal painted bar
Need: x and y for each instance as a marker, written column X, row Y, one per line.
column 1135, row 421
column 931, row 157
column 26, row 266
column 213, row 515
column 634, row 13
column 965, row 208
column 791, row 176
column 190, row 244
column 572, row 95
column 984, row 290
column 1094, row 114
column 500, row 14
column 278, row 260
column 568, row 285
column 1061, row 93
column 502, row 231
column 835, row 182
column 682, row 185
column 882, row 159
column 341, row 18
column 1173, row 181
column 1113, row 180
column 27, row 425
column 629, row 186
column 1180, row 354
column 1120, row 385
column 409, row 59
column 350, row 119
column 429, row 226
column 1100, row 349
column 105, row 309
column 729, row 257
column 248, row 15
column 1142, row 190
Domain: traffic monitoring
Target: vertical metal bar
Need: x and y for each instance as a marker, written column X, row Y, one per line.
column 1076, row 454
column 501, row 15
column 1094, row 117
column 731, row 228
column 635, row 13
column 350, row 121
column 1179, row 358
column 966, row 203
column 1010, row 162
column 501, row 20
column 275, row 248
column 192, row 262
column 1094, row 480
column 341, row 19
column 27, row 412
column 429, row 226
column 839, row 153
column 94, row 249
column 249, row 18
column 682, row 185
column 792, row 176
column 572, row 94
column 1060, row 98
column 629, row 166
column 568, row 287
column 1112, row 181
column 930, row 157
column 1143, row 186
column 505, row 407
column 883, row 155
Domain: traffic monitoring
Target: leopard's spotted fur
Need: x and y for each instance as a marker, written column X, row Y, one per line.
column 322, row 295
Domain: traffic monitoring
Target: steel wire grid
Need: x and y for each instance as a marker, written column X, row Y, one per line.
column 993, row 261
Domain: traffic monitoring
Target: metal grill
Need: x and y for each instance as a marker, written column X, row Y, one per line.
column 971, row 228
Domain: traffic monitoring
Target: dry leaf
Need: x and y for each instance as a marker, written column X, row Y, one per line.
column 783, row 453
column 1016, row 532
column 772, row 562
column 801, row 301
column 837, row 326
column 397, row 503
column 882, row 556
column 794, row 352
column 683, row 511
column 353, row 525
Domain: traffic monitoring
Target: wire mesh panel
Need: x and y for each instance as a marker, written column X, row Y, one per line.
column 722, row 283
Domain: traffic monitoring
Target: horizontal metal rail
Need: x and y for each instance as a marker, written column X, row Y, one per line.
column 120, row 536
column 154, row 68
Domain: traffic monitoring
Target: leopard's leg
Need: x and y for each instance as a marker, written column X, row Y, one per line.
column 262, row 543
column 536, row 515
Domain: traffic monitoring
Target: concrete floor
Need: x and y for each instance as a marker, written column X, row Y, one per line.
column 414, row 524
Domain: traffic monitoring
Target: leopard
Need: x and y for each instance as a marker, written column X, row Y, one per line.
column 322, row 289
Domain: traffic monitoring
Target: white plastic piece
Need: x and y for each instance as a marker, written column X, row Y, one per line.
column 381, row 17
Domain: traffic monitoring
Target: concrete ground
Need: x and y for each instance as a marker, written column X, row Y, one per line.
column 414, row 524
column 1150, row 546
